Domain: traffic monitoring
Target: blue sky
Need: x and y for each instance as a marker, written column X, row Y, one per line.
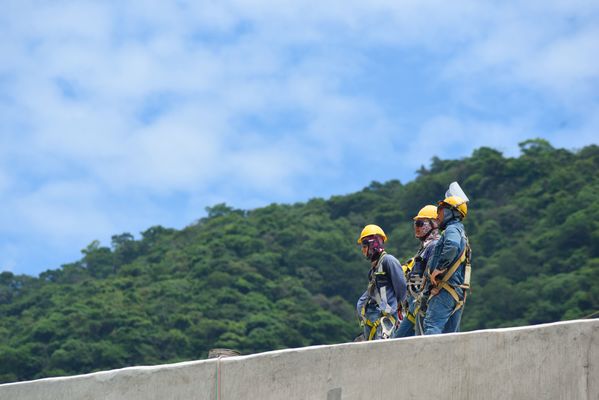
column 117, row 116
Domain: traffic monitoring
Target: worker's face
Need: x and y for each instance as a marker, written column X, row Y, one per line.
column 421, row 227
column 365, row 247
column 440, row 214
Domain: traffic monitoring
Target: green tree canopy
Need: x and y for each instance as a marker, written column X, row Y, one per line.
column 289, row 275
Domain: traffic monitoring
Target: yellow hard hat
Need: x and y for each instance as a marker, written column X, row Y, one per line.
column 372, row 230
column 457, row 203
column 427, row 212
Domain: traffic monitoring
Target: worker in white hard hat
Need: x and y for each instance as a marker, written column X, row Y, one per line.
column 448, row 271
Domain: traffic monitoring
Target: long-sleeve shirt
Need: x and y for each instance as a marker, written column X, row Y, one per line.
column 424, row 255
column 447, row 250
column 390, row 286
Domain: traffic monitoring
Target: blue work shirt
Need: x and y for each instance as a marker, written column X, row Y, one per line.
column 421, row 260
column 425, row 253
column 392, row 293
column 446, row 253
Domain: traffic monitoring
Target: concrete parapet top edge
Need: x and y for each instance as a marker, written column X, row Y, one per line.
column 106, row 374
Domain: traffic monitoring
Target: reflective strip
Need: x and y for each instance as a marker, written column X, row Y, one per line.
column 376, row 296
column 388, row 308
column 379, row 265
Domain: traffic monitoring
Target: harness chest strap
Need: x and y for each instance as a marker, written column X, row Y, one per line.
column 444, row 284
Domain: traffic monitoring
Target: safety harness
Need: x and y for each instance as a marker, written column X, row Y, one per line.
column 451, row 289
column 415, row 283
column 387, row 321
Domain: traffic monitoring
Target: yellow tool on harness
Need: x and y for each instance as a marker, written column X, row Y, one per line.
column 407, row 267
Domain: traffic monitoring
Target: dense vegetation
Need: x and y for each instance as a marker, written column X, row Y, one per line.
column 289, row 275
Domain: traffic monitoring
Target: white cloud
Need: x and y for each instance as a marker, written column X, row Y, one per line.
column 61, row 209
column 463, row 135
column 109, row 109
column 539, row 45
column 568, row 64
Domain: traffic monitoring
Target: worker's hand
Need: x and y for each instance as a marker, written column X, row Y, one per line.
column 436, row 273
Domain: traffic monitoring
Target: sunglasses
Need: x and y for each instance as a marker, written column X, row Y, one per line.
column 419, row 223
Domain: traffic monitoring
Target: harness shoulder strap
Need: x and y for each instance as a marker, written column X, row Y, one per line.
column 443, row 284
column 455, row 266
column 464, row 256
column 379, row 265
column 373, row 293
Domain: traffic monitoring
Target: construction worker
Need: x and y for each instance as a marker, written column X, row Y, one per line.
column 448, row 270
column 426, row 230
column 379, row 304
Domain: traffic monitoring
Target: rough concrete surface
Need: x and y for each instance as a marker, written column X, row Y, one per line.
column 551, row 361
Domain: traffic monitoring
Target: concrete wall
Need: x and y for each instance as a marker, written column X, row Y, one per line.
column 552, row 361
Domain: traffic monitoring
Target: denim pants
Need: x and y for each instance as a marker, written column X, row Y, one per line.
column 438, row 317
column 406, row 329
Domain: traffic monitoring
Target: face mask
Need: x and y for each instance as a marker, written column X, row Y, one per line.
column 422, row 228
column 372, row 246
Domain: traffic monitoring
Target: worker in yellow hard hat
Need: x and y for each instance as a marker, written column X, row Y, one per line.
column 426, row 230
column 448, row 270
column 378, row 306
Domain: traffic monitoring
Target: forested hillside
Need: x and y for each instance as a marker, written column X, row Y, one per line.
column 289, row 275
